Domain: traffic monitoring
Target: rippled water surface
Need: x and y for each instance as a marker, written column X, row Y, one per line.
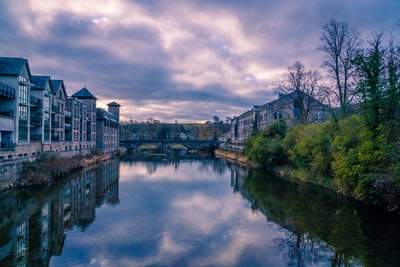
column 190, row 211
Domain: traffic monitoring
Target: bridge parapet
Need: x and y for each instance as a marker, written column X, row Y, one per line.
column 167, row 144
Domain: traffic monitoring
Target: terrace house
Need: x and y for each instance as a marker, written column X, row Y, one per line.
column 15, row 88
column 41, row 112
column 59, row 95
column 89, row 123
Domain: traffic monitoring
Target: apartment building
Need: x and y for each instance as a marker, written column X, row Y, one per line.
column 37, row 116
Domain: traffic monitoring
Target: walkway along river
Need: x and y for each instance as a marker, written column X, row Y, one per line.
column 197, row 210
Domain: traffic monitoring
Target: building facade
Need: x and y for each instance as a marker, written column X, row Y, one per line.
column 37, row 116
column 296, row 107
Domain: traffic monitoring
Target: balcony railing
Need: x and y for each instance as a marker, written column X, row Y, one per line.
column 55, row 109
column 7, row 145
column 68, row 127
column 7, row 91
column 36, row 102
column 7, row 112
column 68, row 114
column 56, row 124
column 36, row 121
column 36, row 137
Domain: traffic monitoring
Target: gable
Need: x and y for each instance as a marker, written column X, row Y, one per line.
column 58, row 88
column 10, row 66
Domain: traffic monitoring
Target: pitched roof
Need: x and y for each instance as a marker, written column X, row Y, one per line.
column 13, row 66
column 84, row 94
column 55, row 85
column 113, row 104
column 105, row 115
column 39, row 82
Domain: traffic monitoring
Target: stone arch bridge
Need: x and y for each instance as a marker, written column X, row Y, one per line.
column 167, row 144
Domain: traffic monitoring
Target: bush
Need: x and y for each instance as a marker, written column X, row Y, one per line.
column 265, row 148
column 308, row 147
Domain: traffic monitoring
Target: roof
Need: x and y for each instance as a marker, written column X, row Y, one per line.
column 13, row 66
column 113, row 104
column 245, row 114
column 84, row 94
column 105, row 115
column 40, row 82
column 55, row 85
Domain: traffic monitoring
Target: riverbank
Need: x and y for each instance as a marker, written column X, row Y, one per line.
column 386, row 195
column 45, row 170
column 232, row 155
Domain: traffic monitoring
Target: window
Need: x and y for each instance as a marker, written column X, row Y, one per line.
column 278, row 115
column 23, row 123
column 46, row 104
column 46, row 127
column 23, row 90
column 317, row 116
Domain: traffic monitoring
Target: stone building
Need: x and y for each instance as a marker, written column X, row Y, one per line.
column 108, row 128
column 41, row 90
column 15, row 111
column 296, row 107
column 37, row 116
column 89, row 100
column 59, row 95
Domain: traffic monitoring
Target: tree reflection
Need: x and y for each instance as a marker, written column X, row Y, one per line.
column 207, row 161
column 319, row 226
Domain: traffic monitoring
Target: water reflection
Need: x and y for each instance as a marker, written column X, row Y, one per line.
column 194, row 210
column 33, row 222
column 320, row 227
column 155, row 159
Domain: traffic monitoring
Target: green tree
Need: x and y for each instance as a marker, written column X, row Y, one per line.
column 379, row 84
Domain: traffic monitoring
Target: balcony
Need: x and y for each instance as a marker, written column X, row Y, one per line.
column 6, row 112
column 36, row 121
column 68, row 127
column 68, row 114
column 26, row 83
column 36, row 137
column 36, row 102
column 56, row 125
column 7, row 91
column 55, row 138
column 55, row 109
column 5, row 145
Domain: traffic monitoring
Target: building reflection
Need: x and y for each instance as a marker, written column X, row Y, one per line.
column 33, row 224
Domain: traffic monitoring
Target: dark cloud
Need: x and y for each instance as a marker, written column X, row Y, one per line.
column 182, row 60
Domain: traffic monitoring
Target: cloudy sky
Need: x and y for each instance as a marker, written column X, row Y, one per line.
column 179, row 60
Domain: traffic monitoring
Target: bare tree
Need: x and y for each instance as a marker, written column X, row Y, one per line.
column 303, row 87
column 341, row 45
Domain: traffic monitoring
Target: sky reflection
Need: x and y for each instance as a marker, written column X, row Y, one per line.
column 173, row 217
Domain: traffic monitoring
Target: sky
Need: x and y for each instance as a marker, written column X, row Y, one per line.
column 184, row 61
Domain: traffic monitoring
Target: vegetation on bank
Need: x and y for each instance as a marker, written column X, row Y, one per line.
column 43, row 171
column 344, row 155
column 357, row 151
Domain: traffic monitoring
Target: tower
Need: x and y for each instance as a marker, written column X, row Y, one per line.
column 113, row 108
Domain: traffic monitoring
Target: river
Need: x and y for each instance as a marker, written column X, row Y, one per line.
column 197, row 210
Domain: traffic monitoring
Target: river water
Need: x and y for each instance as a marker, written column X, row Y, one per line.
column 196, row 210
